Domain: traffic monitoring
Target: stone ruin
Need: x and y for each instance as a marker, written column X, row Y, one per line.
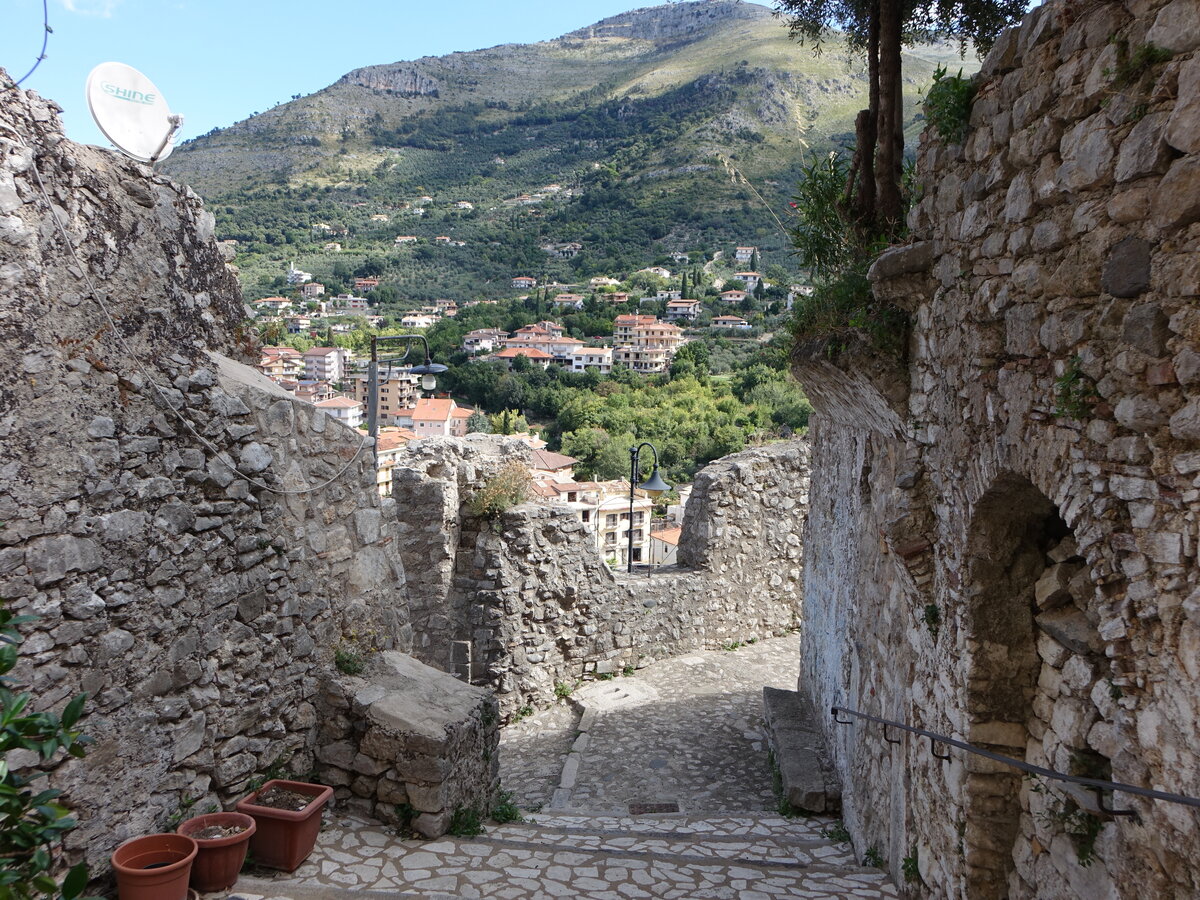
column 1002, row 535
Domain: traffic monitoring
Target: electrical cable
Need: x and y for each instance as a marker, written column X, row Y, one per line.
column 46, row 32
column 99, row 298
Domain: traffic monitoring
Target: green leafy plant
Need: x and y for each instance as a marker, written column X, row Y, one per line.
column 348, row 661
column 948, row 104
column 1075, row 395
column 523, row 713
column 910, row 867
column 628, row 671
column 181, row 812
column 1081, row 826
column 405, row 813
column 505, row 809
column 873, row 857
column 932, row 617
column 837, row 832
column 1132, row 65
column 730, row 646
column 465, row 822
column 33, row 823
column 563, row 689
column 500, row 493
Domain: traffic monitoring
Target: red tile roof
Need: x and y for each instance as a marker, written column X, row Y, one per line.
column 530, row 352
column 549, row 462
column 668, row 536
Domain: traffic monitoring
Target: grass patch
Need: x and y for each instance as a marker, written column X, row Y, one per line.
column 837, row 832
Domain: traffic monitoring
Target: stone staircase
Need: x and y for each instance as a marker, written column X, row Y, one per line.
column 584, row 855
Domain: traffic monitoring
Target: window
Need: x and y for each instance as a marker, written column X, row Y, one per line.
column 610, row 520
column 637, row 554
column 637, row 518
column 587, row 515
column 572, row 497
column 610, row 539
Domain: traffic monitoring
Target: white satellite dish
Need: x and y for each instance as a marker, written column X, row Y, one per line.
column 131, row 112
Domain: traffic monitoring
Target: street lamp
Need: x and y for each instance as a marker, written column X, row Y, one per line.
column 654, row 486
column 428, row 370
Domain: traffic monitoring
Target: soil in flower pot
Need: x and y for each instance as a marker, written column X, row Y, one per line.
column 223, row 839
column 288, row 815
column 154, row 867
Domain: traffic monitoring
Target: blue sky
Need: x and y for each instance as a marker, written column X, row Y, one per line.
column 218, row 61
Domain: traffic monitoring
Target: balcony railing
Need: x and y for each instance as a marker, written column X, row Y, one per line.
column 1099, row 785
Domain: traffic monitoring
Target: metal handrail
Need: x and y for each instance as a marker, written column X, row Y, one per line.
column 1099, row 785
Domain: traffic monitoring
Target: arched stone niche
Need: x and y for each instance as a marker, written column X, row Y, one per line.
column 1034, row 691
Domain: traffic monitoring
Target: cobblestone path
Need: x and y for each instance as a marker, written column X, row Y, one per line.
column 684, row 735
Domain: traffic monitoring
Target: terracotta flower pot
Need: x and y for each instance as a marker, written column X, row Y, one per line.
column 218, row 860
column 284, row 838
column 154, row 867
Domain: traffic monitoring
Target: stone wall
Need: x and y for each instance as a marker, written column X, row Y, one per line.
column 197, row 604
column 533, row 604
column 1002, row 538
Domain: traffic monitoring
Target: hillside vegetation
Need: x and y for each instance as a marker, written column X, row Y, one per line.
column 649, row 124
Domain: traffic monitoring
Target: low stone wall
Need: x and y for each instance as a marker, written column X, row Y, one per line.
column 1002, row 538
column 537, row 606
column 409, row 744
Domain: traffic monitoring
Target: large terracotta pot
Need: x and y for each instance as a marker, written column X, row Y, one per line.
column 218, row 860
column 284, row 839
column 154, row 867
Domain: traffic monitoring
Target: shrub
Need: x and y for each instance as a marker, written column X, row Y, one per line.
column 348, row 662
column 500, row 493
column 465, row 822
column 948, row 105
column 505, row 809
column 33, row 824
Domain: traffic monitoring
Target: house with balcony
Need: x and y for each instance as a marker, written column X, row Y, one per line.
column 688, row 310
column 568, row 301
column 524, row 282
column 744, row 254
column 484, row 340
column 664, row 545
column 734, row 296
column 750, row 279
column 280, row 363
column 735, row 322
column 644, row 344
column 599, row 359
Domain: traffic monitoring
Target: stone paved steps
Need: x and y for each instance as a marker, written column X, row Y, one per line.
column 588, row 857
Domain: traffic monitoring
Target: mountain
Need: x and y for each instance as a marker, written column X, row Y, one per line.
column 648, row 123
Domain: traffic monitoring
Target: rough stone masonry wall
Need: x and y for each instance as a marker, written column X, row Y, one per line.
column 1002, row 535
column 534, row 603
column 199, row 611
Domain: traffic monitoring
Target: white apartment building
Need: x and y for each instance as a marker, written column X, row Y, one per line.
column 326, row 364
column 348, row 412
column 646, row 347
column 598, row 358
column 683, row 309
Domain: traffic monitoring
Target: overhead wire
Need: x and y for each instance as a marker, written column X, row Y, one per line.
column 46, row 32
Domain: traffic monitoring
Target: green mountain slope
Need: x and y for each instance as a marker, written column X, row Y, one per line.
column 650, row 123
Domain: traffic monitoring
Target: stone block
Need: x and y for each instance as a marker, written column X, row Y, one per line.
column 1176, row 202
column 1070, row 627
column 1126, row 273
column 1052, row 589
column 1176, row 28
column 432, row 824
column 797, row 744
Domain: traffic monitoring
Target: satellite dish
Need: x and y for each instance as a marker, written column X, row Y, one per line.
column 131, row 112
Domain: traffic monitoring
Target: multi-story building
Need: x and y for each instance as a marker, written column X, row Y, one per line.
column 524, row 282
column 390, row 444
column 648, row 346
column 398, row 391
column 683, row 309
column 744, row 254
column 281, row 363
column 568, row 301
column 750, row 279
column 326, row 364
column 598, row 358
column 734, row 296
column 560, row 349
column 604, row 509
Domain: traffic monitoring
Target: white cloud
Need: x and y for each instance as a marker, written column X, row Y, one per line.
column 102, row 8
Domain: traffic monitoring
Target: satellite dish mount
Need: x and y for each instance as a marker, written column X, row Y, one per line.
column 131, row 112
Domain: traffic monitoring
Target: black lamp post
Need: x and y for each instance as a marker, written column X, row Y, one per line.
column 654, row 486
column 428, row 370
